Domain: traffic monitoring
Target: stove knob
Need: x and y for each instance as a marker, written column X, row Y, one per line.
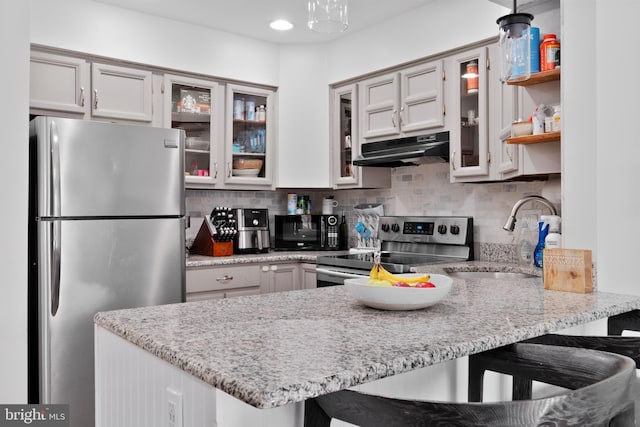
column 442, row 229
column 455, row 229
column 385, row 227
column 255, row 221
column 395, row 228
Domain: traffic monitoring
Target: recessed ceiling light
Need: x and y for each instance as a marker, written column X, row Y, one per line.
column 281, row 25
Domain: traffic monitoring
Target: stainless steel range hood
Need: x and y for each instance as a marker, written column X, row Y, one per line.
column 410, row 151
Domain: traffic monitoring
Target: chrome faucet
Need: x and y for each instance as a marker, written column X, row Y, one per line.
column 511, row 221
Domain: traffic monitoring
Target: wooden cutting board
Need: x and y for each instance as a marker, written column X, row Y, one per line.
column 568, row 270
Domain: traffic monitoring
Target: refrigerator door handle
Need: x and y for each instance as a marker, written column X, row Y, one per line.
column 55, row 265
column 54, row 143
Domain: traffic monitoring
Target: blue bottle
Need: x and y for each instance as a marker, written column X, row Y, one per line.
column 543, row 230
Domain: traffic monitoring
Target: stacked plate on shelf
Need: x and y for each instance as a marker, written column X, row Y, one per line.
column 247, row 167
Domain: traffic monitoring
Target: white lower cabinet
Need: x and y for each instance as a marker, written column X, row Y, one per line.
column 248, row 279
column 223, row 281
column 280, row 277
column 308, row 276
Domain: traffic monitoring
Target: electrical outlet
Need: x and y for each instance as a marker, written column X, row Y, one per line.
column 174, row 408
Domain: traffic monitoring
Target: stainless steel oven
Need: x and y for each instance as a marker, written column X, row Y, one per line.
column 406, row 242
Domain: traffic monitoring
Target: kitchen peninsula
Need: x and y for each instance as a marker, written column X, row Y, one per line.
column 274, row 351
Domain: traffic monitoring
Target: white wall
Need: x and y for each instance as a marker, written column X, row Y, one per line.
column 439, row 26
column 600, row 147
column 96, row 28
column 303, row 117
column 579, row 139
column 617, row 175
column 14, row 111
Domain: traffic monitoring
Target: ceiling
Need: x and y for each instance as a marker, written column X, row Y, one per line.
column 251, row 18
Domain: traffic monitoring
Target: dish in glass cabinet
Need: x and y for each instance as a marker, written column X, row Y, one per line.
column 246, row 172
column 399, row 298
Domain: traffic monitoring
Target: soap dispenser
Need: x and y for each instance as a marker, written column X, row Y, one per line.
column 543, row 230
column 527, row 239
column 554, row 238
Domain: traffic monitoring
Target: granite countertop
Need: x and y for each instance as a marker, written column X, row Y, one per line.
column 274, row 349
column 194, row 260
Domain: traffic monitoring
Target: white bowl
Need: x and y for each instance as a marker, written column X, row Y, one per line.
column 521, row 129
column 246, row 172
column 399, row 298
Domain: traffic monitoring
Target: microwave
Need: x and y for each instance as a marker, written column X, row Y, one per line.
column 307, row 232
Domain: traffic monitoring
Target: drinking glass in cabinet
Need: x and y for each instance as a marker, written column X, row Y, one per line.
column 249, row 135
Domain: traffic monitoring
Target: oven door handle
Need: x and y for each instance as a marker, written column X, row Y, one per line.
column 340, row 274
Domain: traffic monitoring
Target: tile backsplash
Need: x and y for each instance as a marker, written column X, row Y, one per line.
column 415, row 190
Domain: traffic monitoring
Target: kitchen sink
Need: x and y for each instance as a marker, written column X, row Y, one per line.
column 497, row 275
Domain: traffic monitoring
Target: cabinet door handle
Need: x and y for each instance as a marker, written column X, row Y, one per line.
column 393, row 118
column 82, row 96
column 225, row 278
column 228, row 170
column 401, row 116
column 215, row 170
column 95, row 99
column 453, row 160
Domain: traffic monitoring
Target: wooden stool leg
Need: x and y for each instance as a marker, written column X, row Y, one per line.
column 476, row 380
column 522, row 389
column 314, row 415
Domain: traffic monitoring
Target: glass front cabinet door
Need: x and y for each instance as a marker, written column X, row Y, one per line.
column 193, row 105
column 469, row 137
column 249, row 140
column 344, row 135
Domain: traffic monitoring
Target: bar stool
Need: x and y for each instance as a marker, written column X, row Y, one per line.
column 523, row 387
column 600, row 386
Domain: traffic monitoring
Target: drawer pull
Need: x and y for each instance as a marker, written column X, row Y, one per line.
column 224, row 278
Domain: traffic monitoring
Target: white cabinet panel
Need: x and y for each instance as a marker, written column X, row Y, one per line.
column 121, row 93
column 222, row 282
column 403, row 103
column 59, row 83
column 422, row 103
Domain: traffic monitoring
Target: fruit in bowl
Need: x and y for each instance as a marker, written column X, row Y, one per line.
column 410, row 291
column 379, row 276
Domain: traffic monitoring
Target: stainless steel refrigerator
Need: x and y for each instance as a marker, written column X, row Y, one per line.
column 106, row 231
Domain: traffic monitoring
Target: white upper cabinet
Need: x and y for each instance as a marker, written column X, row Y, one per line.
column 249, row 143
column 345, row 144
column 403, row 103
column 502, row 113
column 421, row 101
column 121, row 93
column 468, row 106
column 69, row 86
column 194, row 105
column 59, row 84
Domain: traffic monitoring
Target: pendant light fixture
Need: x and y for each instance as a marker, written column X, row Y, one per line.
column 515, row 45
column 328, row 16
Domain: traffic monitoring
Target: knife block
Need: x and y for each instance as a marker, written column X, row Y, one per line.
column 205, row 244
column 568, row 270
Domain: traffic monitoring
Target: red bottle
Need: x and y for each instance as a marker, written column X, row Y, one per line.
column 549, row 52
